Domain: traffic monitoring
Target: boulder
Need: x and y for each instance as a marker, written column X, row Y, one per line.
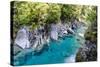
column 54, row 32
column 22, row 38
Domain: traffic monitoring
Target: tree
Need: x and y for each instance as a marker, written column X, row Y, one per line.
column 54, row 13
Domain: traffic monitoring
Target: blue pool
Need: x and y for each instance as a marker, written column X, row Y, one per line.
column 57, row 52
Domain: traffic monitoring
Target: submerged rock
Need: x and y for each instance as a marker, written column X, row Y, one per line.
column 70, row 59
column 17, row 49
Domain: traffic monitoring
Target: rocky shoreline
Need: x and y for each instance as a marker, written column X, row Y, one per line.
column 37, row 41
column 37, row 38
column 88, row 52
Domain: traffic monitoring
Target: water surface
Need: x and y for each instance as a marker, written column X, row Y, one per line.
column 57, row 52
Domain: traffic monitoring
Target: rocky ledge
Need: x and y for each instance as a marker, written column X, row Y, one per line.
column 88, row 52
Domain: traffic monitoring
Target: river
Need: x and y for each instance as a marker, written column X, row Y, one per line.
column 62, row 51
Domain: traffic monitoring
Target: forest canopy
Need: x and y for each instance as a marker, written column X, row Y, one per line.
column 34, row 14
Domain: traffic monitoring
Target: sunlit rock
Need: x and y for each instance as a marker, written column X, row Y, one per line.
column 22, row 38
column 54, row 32
column 81, row 34
column 70, row 31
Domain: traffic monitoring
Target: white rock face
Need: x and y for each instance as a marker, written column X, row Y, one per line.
column 22, row 39
column 54, row 33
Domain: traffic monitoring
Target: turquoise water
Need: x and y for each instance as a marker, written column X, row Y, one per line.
column 57, row 52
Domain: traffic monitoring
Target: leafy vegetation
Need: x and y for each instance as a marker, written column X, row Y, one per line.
column 33, row 14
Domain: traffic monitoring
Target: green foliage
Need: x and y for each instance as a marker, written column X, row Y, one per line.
column 92, row 15
column 54, row 13
column 71, row 11
column 30, row 12
column 38, row 13
column 34, row 14
column 66, row 12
